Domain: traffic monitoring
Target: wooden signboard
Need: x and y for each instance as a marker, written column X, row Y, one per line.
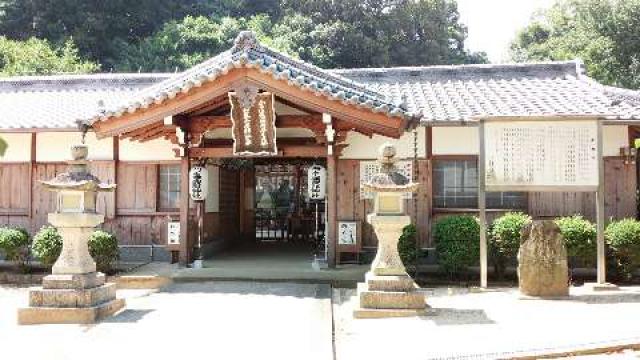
column 349, row 239
column 253, row 120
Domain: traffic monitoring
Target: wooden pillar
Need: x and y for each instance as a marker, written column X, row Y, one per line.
column 185, row 251
column 483, row 209
column 600, row 246
column 332, row 209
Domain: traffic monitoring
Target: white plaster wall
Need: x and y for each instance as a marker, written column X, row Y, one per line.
column 614, row 137
column 54, row 146
column 455, row 140
column 19, row 147
column 152, row 150
column 463, row 140
column 363, row 147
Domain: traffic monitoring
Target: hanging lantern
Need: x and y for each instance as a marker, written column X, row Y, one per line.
column 316, row 182
column 198, row 183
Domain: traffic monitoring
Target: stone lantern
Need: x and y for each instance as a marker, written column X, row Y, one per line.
column 388, row 290
column 74, row 292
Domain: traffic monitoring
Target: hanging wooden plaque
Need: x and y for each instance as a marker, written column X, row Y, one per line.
column 253, row 121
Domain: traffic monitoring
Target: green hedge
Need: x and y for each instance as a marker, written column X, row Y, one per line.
column 504, row 236
column 103, row 247
column 47, row 245
column 14, row 243
column 623, row 237
column 457, row 241
column 579, row 237
column 407, row 247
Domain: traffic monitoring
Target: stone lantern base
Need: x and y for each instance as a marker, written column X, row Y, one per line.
column 388, row 291
column 75, row 293
column 71, row 299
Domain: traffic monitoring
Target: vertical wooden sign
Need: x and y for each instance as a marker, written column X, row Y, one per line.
column 253, row 120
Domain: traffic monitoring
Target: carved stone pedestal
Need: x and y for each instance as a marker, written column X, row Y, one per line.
column 75, row 293
column 71, row 299
column 388, row 291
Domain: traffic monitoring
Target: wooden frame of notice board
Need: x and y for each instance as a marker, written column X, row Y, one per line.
column 347, row 241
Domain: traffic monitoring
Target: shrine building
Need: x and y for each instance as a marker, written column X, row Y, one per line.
column 265, row 127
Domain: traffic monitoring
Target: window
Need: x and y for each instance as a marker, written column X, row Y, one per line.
column 169, row 187
column 455, row 185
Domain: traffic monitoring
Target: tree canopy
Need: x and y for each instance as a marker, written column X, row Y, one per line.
column 604, row 33
column 169, row 35
column 35, row 56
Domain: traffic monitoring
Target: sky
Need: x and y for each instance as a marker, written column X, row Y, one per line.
column 492, row 24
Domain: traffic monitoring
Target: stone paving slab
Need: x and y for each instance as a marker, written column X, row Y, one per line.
column 210, row 320
column 491, row 324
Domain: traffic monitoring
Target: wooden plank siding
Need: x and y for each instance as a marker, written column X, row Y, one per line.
column 136, row 220
column 351, row 207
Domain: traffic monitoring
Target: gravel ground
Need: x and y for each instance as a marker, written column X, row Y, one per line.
column 492, row 324
column 225, row 320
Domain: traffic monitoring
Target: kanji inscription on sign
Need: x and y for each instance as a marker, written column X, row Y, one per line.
column 316, row 182
column 253, row 121
column 529, row 155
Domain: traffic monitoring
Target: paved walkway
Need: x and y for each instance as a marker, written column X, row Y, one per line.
column 226, row 320
column 493, row 324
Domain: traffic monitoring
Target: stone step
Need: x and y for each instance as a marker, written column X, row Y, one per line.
column 362, row 313
column 403, row 283
column 77, row 281
column 372, row 299
column 71, row 298
column 54, row 315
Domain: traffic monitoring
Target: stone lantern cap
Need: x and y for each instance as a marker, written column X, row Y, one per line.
column 389, row 179
column 77, row 176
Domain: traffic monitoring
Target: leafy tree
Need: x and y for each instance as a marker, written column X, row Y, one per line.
column 3, row 147
column 604, row 33
column 35, row 56
column 182, row 44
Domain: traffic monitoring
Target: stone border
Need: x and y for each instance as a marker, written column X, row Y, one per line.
column 122, row 281
column 576, row 350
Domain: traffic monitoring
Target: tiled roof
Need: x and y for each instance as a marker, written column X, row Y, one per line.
column 452, row 94
column 248, row 52
column 53, row 102
column 433, row 94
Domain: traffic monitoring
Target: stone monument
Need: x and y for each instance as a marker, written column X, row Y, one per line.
column 388, row 291
column 74, row 293
column 542, row 261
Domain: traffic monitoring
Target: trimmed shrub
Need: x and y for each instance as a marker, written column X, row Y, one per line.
column 505, row 238
column 103, row 247
column 623, row 237
column 457, row 243
column 47, row 245
column 580, row 238
column 407, row 247
column 14, row 243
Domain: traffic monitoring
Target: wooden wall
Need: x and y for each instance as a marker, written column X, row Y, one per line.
column 351, row 207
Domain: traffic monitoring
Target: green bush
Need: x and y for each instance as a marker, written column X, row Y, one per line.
column 407, row 247
column 580, row 238
column 47, row 245
column 103, row 247
column 14, row 243
column 623, row 237
column 457, row 243
column 505, row 238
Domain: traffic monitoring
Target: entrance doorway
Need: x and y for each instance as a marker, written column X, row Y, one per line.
column 283, row 211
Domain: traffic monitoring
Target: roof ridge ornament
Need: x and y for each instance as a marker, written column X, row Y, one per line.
column 246, row 40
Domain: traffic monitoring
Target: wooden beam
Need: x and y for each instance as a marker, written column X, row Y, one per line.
column 140, row 131
column 287, row 151
column 116, row 160
column 332, row 210
column 185, row 252
column 32, row 171
column 222, row 101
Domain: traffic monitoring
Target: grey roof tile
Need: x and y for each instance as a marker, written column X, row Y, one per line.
column 434, row 94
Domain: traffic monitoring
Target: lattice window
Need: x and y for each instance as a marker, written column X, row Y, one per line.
column 368, row 168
